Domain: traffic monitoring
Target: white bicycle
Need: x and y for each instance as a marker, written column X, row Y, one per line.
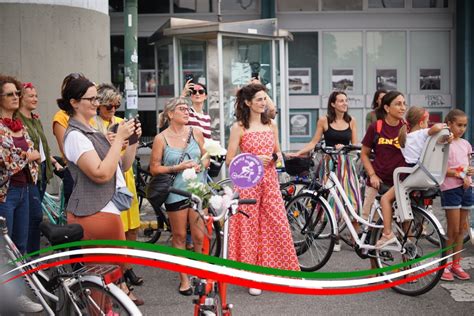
column 314, row 226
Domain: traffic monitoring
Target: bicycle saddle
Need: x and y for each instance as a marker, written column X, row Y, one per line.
column 60, row 234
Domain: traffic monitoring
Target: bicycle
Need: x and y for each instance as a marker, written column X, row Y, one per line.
column 315, row 227
column 53, row 205
column 212, row 294
column 88, row 290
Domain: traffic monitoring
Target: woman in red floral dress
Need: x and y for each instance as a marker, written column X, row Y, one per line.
column 264, row 238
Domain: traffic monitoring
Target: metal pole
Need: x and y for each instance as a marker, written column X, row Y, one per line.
column 131, row 57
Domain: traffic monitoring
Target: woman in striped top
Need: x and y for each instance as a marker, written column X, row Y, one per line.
column 197, row 118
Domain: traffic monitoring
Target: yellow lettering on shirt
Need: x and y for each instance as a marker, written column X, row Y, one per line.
column 387, row 141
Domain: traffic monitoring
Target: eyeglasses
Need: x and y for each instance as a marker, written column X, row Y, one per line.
column 182, row 109
column 201, row 91
column 16, row 93
column 91, row 99
column 111, row 106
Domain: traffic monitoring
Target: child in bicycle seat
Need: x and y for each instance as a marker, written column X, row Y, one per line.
column 456, row 192
column 411, row 146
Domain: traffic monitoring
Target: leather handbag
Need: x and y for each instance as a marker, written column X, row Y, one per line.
column 157, row 190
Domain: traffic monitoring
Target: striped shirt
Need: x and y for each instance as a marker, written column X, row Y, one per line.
column 201, row 121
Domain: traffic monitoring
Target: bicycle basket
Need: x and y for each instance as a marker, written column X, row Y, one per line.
column 297, row 166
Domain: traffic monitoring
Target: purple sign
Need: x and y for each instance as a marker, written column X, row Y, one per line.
column 246, row 170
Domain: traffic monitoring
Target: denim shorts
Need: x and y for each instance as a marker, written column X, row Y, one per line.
column 457, row 198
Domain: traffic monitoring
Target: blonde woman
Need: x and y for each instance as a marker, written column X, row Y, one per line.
column 168, row 147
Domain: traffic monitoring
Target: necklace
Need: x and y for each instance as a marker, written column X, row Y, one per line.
column 14, row 125
column 179, row 135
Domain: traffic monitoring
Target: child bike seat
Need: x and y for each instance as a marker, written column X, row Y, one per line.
column 428, row 173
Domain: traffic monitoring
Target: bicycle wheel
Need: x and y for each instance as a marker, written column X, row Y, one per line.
column 152, row 223
column 94, row 299
column 413, row 235
column 312, row 229
column 213, row 305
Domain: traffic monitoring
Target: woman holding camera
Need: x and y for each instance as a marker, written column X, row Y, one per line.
column 99, row 192
column 109, row 102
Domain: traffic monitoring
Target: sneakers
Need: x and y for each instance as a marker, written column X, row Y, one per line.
column 385, row 240
column 337, row 246
column 255, row 292
column 26, row 305
column 447, row 275
column 459, row 272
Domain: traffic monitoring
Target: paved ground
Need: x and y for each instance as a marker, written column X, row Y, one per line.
column 455, row 298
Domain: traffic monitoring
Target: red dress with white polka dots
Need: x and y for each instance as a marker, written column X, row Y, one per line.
column 264, row 238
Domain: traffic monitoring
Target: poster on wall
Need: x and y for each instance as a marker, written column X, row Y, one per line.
column 430, row 79
column 240, row 73
column 435, row 117
column 299, row 80
column 302, row 125
column 147, row 82
column 386, row 79
column 343, row 79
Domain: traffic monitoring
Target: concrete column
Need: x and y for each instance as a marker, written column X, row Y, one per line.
column 44, row 41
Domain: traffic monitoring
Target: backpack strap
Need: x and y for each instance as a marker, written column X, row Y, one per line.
column 378, row 129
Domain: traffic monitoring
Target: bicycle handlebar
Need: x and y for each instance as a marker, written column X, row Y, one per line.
column 145, row 144
column 197, row 200
column 344, row 149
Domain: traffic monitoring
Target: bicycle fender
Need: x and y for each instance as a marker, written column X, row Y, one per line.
column 434, row 218
column 326, row 204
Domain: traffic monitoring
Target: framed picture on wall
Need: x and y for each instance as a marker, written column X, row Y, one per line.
column 302, row 125
column 430, row 79
column 147, row 82
column 299, row 80
column 343, row 79
column 386, row 79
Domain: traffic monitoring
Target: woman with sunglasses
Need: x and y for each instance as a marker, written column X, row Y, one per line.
column 18, row 173
column 109, row 103
column 99, row 193
column 197, row 118
column 168, row 148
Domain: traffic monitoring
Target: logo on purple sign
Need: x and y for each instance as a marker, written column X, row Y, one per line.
column 246, row 170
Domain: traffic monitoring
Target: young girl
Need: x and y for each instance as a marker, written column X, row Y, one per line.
column 411, row 146
column 456, row 191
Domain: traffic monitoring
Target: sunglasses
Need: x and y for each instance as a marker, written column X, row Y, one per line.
column 201, row 91
column 16, row 93
column 109, row 107
column 183, row 109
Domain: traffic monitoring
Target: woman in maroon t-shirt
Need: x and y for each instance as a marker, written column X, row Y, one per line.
column 388, row 155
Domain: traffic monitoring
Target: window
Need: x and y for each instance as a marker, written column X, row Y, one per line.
column 192, row 6
column 386, row 61
column 297, row 5
column 430, row 62
column 342, row 62
column 430, row 3
column 386, row 4
column 144, row 6
column 247, row 6
column 302, row 54
column 342, row 5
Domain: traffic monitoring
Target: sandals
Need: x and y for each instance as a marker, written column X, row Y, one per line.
column 132, row 278
column 385, row 240
column 187, row 292
column 136, row 300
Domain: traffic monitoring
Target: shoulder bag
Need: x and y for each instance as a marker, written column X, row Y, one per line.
column 157, row 189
